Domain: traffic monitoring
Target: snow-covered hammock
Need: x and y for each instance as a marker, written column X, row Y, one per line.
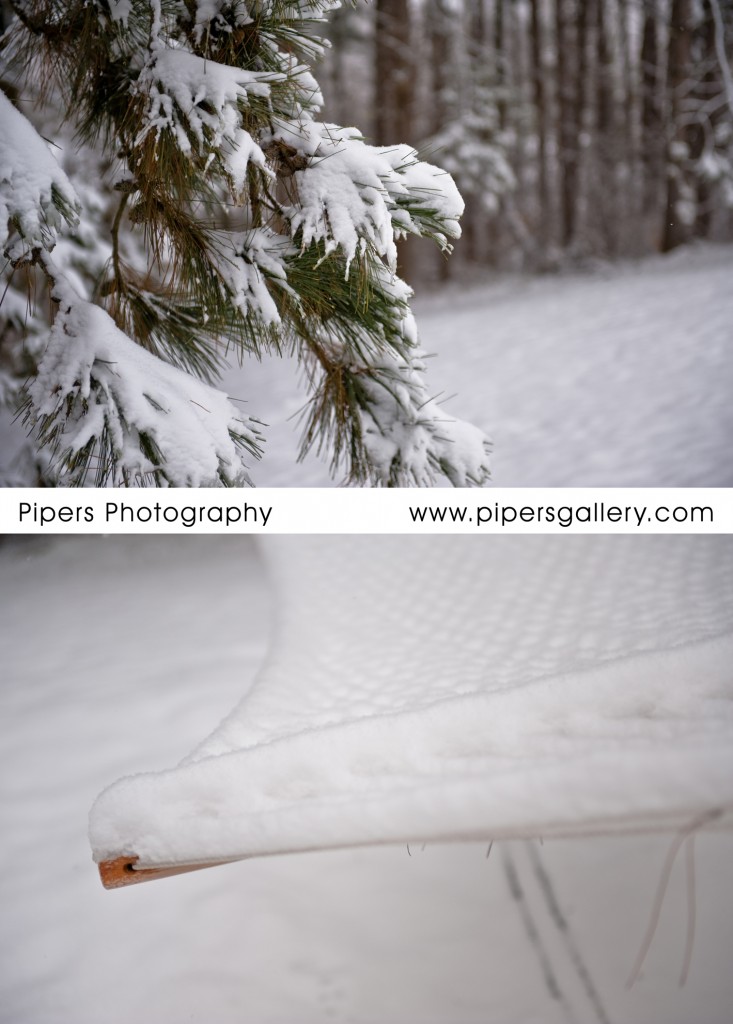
column 431, row 688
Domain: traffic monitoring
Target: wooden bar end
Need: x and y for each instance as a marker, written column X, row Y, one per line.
column 121, row 871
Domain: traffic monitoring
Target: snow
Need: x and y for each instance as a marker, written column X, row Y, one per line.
column 210, row 12
column 616, row 377
column 430, row 187
column 244, row 261
column 205, row 94
column 119, row 389
column 118, row 654
column 35, row 194
column 238, row 154
column 356, row 197
column 403, row 426
column 120, row 10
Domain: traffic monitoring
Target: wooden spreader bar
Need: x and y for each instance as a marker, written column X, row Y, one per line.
column 122, row 871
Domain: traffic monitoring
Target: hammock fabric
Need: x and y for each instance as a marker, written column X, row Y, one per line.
column 428, row 688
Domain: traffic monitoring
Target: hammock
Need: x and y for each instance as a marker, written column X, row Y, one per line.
column 428, row 688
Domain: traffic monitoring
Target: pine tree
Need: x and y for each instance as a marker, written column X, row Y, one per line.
column 192, row 202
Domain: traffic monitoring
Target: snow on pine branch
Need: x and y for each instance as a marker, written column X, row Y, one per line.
column 195, row 97
column 354, row 197
column 36, row 197
column 408, row 437
column 98, row 394
column 426, row 197
column 245, row 261
column 210, row 14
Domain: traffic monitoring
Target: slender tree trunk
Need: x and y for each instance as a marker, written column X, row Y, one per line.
column 338, row 90
column 677, row 220
column 500, row 60
column 710, row 86
column 653, row 148
column 443, row 88
column 567, row 53
column 583, row 116
column 442, row 67
column 394, row 71
column 606, row 132
column 541, row 120
column 476, row 21
column 604, row 86
column 394, row 74
column 630, row 180
column 480, row 71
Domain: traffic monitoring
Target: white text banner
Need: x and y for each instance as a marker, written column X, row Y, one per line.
column 367, row 510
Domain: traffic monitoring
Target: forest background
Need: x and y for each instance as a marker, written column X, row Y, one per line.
column 575, row 129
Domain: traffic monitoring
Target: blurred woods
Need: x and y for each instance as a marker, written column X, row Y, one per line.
column 575, row 129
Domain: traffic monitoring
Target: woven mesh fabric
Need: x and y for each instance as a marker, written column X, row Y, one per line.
column 427, row 687
column 375, row 625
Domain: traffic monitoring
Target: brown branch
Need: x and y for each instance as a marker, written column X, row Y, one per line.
column 119, row 280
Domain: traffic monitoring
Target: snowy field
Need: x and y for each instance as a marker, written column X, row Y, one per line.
column 119, row 655
column 621, row 377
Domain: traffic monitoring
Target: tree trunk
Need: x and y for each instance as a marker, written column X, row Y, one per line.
column 567, row 56
column 442, row 67
column 652, row 121
column 583, row 122
column 500, row 60
column 630, row 168
column 394, row 71
column 710, row 86
column 394, row 74
column 540, row 104
column 606, row 133
column 678, row 219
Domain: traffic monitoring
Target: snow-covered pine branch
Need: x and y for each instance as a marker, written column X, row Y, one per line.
column 112, row 411
column 352, row 196
column 232, row 217
column 404, row 435
column 36, row 197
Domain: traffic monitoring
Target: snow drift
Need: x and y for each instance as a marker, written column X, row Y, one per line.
column 447, row 688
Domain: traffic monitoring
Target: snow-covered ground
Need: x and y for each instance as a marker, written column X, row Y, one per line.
column 118, row 655
column 621, row 377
